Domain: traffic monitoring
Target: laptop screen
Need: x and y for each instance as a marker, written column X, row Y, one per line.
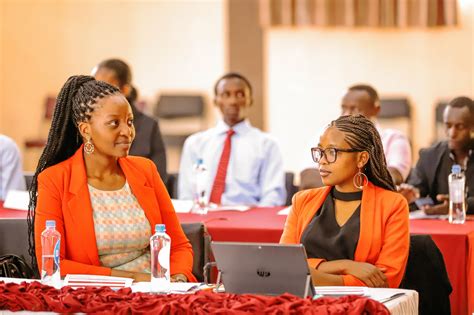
column 263, row 268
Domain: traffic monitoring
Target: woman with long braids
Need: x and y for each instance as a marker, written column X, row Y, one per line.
column 355, row 230
column 105, row 203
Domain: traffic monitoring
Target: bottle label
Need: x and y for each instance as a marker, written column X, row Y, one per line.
column 57, row 248
column 164, row 258
column 456, row 191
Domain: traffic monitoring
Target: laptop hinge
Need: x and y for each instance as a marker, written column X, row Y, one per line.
column 307, row 288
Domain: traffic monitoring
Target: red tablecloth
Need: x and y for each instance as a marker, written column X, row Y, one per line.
column 456, row 242
column 37, row 297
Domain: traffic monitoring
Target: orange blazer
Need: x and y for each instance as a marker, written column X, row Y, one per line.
column 384, row 237
column 63, row 196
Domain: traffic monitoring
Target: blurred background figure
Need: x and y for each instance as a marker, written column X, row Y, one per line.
column 11, row 169
column 430, row 176
column 148, row 140
column 250, row 168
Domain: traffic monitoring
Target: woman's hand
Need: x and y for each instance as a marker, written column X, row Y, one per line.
column 136, row 276
column 371, row 275
column 179, row 277
column 141, row 277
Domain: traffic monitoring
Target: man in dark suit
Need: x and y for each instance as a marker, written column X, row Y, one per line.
column 430, row 176
column 148, row 140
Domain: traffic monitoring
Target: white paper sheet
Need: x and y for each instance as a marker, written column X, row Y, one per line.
column 284, row 211
column 420, row 214
column 17, row 200
column 229, row 208
column 182, row 206
column 340, row 291
column 175, row 287
column 96, row 281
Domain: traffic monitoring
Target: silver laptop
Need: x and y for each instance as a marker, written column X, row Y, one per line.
column 263, row 268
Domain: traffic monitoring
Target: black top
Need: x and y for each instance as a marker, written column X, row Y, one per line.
column 324, row 238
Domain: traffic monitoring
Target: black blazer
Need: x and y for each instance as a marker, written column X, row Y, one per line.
column 429, row 166
column 148, row 141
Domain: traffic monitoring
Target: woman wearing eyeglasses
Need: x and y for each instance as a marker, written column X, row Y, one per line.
column 355, row 230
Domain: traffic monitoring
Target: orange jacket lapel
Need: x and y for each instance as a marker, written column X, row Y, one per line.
column 367, row 221
column 80, row 209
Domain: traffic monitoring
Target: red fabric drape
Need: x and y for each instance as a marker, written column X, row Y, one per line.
column 37, row 297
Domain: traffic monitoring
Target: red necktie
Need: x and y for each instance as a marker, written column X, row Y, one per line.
column 219, row 182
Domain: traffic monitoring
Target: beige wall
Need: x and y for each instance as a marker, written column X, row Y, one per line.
column 309, row 70
column 171, row 45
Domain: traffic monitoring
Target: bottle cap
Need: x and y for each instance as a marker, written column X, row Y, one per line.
column 456, row 169
column 160, row 228
column 51, row 223
column 199, row 161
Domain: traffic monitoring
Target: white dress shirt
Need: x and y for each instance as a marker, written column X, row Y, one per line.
column 255, row 174
column 397, row 150
column 11, row 170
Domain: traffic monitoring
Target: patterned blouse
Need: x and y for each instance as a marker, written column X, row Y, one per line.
column 121, row 228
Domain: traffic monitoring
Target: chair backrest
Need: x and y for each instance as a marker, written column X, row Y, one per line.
column 440, row 133
column 178, row 106
column 426, row 273
column 291, row 189
column 28, row 178
column 395, row 113
column 14, row 238
column 172, row 185
column 200, row 241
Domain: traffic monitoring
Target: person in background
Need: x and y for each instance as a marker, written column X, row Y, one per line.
column 354, row 230
column 148, row 141
column 245, row 164
column 364, row 99
column 430, row 176
column 105, row 203
column 11, row 170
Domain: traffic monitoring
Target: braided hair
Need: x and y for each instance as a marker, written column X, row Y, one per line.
column 75, row 104
column 361, row 134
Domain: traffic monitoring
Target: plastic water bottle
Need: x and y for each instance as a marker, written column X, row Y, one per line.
column 200, row 188
column 457, row 201
column 51, row 244
column 160, row 247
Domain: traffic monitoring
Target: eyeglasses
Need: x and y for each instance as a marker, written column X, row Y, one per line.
column 329, row 153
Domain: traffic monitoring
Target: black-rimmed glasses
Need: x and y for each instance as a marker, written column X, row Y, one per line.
column 329, row 153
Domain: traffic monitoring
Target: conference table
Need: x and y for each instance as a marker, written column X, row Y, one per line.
column 456, row 242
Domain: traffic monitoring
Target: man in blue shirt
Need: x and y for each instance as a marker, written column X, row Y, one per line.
column 11, row 170
column 245, row 164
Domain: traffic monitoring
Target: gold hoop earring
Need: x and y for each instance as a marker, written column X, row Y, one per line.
column 360, row 180
column 88, row 147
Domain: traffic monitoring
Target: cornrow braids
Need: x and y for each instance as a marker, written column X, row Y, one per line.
column 361, row 134
column 75, row 103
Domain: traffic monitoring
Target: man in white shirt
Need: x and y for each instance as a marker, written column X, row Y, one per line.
column 11, row 170
column 363, row 99
column 245, row 164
